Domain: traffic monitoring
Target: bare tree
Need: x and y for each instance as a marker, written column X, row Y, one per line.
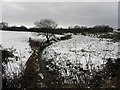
column 3, row 25
column 46, row 24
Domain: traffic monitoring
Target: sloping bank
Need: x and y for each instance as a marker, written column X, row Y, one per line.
column 32, row 77
column 36, row 75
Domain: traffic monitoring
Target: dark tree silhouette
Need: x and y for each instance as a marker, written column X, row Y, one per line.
column 46, row 24
column 103, row 28
column 76, row 27
column 3, row 25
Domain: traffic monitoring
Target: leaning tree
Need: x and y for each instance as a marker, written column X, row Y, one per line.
column 46, row 24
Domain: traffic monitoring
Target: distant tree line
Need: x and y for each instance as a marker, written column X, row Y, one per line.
column 50, row 26
column 5, row 26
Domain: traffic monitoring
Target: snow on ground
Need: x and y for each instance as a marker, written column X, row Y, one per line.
column 80, row 50
column 17, row 41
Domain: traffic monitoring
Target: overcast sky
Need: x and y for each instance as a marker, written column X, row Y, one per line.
column 63, row 13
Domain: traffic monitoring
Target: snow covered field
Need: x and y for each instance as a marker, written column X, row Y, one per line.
column 18, row 42
column 66, row 55
column 78, row 52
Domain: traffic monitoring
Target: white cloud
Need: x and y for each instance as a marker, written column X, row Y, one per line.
column 65, row 14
